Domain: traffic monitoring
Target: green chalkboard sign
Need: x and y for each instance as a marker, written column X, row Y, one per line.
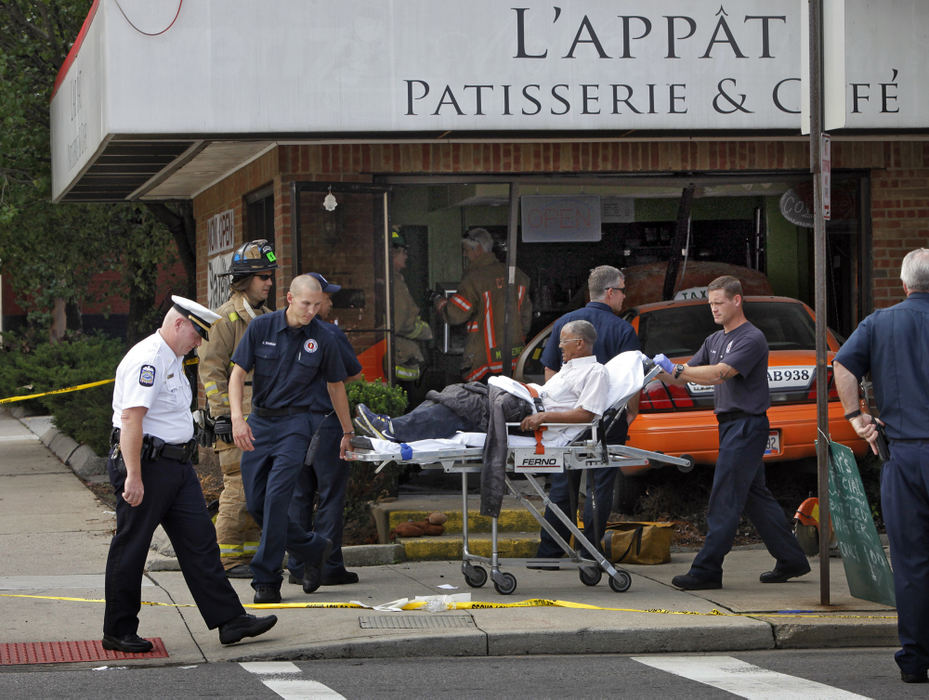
column 866, row 568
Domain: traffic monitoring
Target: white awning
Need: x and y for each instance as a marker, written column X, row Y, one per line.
column 161, row 99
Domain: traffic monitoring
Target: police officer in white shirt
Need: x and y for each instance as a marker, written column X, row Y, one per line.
column 150, row 469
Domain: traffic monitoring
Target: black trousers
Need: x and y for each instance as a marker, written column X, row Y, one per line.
column 905, row 507
column 174, row 500
column 739, row 487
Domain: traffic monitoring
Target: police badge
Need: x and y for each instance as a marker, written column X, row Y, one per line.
column 147, row 375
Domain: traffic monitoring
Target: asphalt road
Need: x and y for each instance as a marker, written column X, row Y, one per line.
column 837, row 673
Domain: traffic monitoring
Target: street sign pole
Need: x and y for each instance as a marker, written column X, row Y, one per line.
column 819, row 265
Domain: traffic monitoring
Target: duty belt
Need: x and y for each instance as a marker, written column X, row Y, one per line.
column 278, row 412
column 735, row 415
column 155, row 448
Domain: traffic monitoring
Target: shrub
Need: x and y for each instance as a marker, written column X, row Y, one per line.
column 85, row 415
column 364, row 485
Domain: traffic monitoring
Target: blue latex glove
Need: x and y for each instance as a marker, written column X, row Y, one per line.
column 664, row 363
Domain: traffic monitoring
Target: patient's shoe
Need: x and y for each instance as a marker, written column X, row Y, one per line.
column 373, row 424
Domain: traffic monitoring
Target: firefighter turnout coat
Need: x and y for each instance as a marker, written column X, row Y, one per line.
column 481, row 303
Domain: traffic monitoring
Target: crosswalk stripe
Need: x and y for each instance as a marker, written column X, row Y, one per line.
column 289, row 689
column 302, row 690
column 743, row 679
column 269, row 667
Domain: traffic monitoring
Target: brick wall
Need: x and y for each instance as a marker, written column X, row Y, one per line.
column 899, row 214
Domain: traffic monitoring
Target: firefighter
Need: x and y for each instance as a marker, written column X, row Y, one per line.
column 409, row 328
column 252, row 271
column 480, row 302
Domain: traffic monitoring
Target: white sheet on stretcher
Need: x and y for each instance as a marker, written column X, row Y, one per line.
column 626, row 376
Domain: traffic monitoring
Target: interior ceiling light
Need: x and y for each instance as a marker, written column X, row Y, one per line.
column 329, row 202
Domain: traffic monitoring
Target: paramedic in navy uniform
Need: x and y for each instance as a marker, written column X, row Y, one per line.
column 155, row 483
column 326, row 478
column 891, row 344
column 606, row 286
column 735, row 362
column 288, row 349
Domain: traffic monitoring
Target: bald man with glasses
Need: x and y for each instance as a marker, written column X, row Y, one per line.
column 606, row 286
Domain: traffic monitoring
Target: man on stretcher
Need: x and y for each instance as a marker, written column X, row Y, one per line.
column 578, row 393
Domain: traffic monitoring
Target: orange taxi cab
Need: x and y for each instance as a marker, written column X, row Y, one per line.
column 679, row 419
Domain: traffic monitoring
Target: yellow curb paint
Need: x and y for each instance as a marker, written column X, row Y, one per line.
column 512, row 520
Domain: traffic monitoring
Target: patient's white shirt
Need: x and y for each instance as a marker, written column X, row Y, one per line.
column 580, row 383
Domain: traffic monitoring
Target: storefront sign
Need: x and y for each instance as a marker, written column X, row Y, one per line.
column 218, row 284
column 796, row 208
column 220, row 232
column 620, row 210
column 559, row 218
column 232, row 67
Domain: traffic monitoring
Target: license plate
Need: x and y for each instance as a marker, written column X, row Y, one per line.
column 774, row 443
column 527, row 460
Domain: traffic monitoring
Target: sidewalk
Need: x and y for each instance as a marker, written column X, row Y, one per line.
column 54, row 535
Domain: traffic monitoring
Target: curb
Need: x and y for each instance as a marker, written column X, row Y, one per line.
column 82, row 460
column 162, row 557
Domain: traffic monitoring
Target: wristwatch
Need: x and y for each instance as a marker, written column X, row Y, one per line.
column 678, row 370
column 853, row 414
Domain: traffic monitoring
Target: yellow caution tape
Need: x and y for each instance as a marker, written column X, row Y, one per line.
column 57, row 391
column 90, row 385
column 487, row 605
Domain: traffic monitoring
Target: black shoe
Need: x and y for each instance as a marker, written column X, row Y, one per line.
column 686, row 582
column 239, row 571
column 267, row 593
column 313, row 568
column 294, row 579
column 245, row 626
column 914, row 677
column 128, row 644
column 342, row 578
column 778, row 575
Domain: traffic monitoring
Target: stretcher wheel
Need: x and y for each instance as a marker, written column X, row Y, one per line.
column 505, row 583
column 475, row 576
column 590, row 576
column 621, row 581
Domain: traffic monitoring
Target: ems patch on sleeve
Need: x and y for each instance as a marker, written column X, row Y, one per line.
column 147, row 375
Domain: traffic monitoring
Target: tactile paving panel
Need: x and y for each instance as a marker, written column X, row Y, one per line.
column 67, row 652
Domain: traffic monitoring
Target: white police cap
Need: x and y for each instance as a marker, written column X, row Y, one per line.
column 199, row 315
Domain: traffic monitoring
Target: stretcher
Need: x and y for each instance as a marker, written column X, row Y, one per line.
column 569, row 447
